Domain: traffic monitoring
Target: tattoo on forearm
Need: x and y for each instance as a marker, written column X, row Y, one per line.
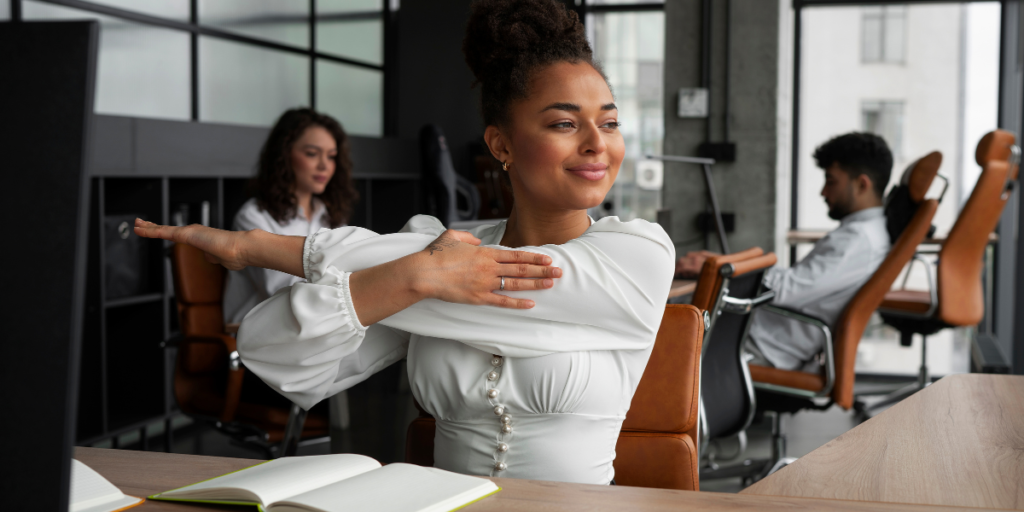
column 441, row 243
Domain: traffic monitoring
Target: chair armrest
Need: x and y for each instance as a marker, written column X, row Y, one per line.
column 830, row 363
column 743, row 306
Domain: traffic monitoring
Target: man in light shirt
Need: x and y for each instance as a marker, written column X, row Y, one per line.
column 857, row 168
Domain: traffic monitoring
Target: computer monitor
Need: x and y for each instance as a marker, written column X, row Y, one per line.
column 47, row 77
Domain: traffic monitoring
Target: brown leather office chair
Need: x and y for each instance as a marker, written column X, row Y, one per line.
column 955, row 299
column 785, row 391
column 209, row 378
column 657, row 445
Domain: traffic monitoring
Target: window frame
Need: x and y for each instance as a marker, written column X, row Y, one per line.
column 388, row 15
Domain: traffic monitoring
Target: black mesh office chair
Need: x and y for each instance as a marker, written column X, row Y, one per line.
column 442, row 185
column 727, row 393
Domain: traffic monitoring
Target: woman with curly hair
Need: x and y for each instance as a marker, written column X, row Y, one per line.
column 303, row 184
column 525, row 339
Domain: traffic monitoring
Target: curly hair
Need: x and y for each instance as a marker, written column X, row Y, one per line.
column 275, row 179
column 507, row 40
column 858, row 153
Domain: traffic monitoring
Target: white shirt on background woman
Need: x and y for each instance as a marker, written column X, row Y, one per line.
column 246, row 288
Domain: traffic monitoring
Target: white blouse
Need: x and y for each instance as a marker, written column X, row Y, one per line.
column 246, row 288
column 538, row 393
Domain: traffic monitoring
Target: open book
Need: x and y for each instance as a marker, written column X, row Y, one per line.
column 336, row 483
column 90, row 492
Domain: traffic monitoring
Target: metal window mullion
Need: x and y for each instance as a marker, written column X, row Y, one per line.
column 157, row 21
column 193, row 17
column 312, row 54
column 15, row 10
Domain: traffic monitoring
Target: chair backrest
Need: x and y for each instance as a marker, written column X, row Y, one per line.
column 199, row 291
column 709, row 283
column 727, row 390
column 442, row 182
column 658, row 443
column 657, row 446
column 851, row 324
column 961, row 256
column 904, row 198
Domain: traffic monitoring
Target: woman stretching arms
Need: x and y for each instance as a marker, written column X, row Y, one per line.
column 529, row 375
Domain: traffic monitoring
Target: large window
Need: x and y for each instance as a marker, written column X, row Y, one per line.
column 629, row 42
column 941, row 96
column 234, row 61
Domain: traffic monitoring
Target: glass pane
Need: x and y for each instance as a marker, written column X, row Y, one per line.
column 172, row 9
column 358, row 36
column 353, row 95
column 894, row 33
column 630, row 46
column 871, row 37
column 142, row 70
column 943, row 97
column 245, row 84
column 281, row 21
column 338, row 6
column 5, row 9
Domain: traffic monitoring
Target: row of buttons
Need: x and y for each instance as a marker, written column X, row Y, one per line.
column 504, row 419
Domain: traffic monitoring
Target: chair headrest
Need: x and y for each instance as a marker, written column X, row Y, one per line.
column 919, row 175
column 995, row 145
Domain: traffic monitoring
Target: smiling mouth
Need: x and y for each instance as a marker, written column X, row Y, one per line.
column 591, row 172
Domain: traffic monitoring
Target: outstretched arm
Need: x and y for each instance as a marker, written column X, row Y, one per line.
column 451, row 268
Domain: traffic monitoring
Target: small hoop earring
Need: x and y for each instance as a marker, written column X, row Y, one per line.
column 504, row 166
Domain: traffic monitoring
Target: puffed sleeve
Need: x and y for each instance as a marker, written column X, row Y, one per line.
column 307, row 343
column 612, row 295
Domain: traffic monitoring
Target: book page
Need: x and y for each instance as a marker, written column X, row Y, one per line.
column 90, row 492
column 392, row 488
column 277, row 479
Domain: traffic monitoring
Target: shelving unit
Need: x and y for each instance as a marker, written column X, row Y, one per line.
column 127, row 377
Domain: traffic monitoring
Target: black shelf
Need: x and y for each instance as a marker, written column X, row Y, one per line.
column 126, row 380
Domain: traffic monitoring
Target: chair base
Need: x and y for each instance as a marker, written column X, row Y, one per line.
column 923, row 380
column 752, row 470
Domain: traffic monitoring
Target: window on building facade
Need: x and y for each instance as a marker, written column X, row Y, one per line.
column 885, row 119
column 883, row 34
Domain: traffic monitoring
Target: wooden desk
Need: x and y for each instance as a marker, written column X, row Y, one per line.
column 145, row 473
column 681, row 287
column 958, row 442
column 810, row 236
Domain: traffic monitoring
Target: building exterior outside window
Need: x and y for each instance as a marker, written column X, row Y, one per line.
column 885, row 119
column 630, row 46
column 883, row 30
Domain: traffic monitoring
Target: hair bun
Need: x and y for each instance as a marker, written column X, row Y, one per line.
column 507, row 39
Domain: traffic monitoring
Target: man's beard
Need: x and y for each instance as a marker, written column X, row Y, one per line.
column 838, row 211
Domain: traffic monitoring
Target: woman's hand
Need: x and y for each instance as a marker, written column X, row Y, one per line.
column 451, row 269
column 455, row 270
column 234, row 250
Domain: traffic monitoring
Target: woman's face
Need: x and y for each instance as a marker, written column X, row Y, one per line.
column 313, row 160
column 563, row 145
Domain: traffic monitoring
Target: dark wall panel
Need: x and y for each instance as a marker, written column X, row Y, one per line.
column 434, row 80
